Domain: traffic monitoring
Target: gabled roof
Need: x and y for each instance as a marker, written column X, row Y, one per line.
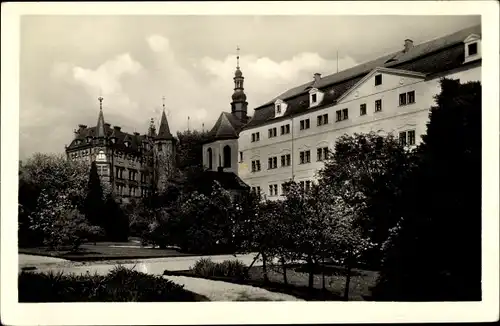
column 226, row 127
column 164, row 131
column 390, row 71
column 435, row 56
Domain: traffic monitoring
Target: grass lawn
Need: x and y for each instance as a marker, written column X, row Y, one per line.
column 104, row 251
column 359, row 289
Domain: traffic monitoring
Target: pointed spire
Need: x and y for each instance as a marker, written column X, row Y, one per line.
column 100, row 132
column 237, row 57
column 164, row 130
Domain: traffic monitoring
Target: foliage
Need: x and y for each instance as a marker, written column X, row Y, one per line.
column 434, row 252
column 50, row 186
column 189, row 149
column 228, row 268
column 120, row 285
column 94, row 202
column 115, row 222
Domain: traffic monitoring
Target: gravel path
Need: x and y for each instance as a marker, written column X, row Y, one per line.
column 224, row 291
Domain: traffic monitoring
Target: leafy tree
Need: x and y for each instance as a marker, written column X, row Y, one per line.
column 434, row 252
column 49, row 185
column 368, row 172
column 189, row 149
column 94, row 202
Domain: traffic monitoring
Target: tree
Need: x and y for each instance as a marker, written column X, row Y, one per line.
column 189, row 149
column 434, row 252
column 94, row 203
column 51, row 185
column 115, row 221
column 368, row 172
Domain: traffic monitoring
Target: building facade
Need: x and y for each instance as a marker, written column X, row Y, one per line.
column 289, row 136
column 131, row 165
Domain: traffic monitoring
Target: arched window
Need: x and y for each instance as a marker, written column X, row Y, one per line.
column 209, row 154
column 227, row 156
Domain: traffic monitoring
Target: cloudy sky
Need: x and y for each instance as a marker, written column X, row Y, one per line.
column 68, row 61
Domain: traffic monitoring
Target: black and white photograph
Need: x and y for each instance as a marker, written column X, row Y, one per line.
column 195, row 153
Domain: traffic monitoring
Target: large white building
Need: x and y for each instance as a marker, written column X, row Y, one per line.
column 288, row 137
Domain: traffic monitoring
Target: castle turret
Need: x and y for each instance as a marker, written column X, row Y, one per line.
column 164, row 143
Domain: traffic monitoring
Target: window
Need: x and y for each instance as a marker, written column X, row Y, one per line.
column 308, row 185
column 305, row 124
column 255, row 165
column 209, row 158
column 378, row 105
column 472, row 48
column 160, row 147
column 407, row 98
column 322, row 119
column 322, row 153
column 101, row 156
column 339, row 115
column 362, row 109
column 345, row 114
column 411, row 137
column 285, row 129
column 411, row 97
column 226, row 152
column 255, row 137
column 402, row 99
column 407, row 138
column 272, row 162
column 286, row 160
column 305, row 157
column 313, row 98
column 378, row 80
column 241, row 156
column 284, row 188
column 278, row 108
column 272, row 132
column 273, row 190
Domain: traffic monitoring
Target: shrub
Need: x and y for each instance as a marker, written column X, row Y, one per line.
column 120, row 285
column 228, row 268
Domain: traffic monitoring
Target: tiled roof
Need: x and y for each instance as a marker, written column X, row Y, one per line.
column 228, row 180
column 82, row 135
column 438, row 55
column 226, row 127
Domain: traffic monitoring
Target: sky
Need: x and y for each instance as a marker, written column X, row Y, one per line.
column 67, row 62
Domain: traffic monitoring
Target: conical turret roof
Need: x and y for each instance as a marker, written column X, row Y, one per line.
column 164, row 131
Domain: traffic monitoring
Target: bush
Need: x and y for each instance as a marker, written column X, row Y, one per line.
column 228, row 268
column 120, row 285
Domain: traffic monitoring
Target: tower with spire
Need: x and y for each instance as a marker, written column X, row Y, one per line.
column 164, row 148
column 130, row 165
column 239, row 105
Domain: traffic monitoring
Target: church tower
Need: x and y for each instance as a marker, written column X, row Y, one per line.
column 164, row 148
column 239, row 104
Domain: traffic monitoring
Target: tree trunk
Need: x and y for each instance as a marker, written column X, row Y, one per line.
column 310, row 266
column 283, row 265
column 264, row 268
column 323, row 274
column 348, row 277
column 253, row 262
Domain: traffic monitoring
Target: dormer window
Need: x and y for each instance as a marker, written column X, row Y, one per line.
column 279, row 108
column 101, row 156
column 127, row 144
column 315, row 97
column 472, row 48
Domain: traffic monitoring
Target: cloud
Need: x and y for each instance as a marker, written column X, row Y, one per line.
column 132, row 87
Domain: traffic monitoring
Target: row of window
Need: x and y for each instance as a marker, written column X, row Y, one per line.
column 406, row 138
column 226, row 157
column 305, row 185
column 132, row 174
column 341, row 115
column 132, row 191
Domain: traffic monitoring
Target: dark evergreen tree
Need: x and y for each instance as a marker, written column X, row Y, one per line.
column 93, row 206
column 434, row 254
column 116, row 222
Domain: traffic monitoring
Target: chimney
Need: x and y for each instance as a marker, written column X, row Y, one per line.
column 81, row 127
column 136, row 133
column 117, row 128
column 107, row 125
column 408, row 45
column 317, row 77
